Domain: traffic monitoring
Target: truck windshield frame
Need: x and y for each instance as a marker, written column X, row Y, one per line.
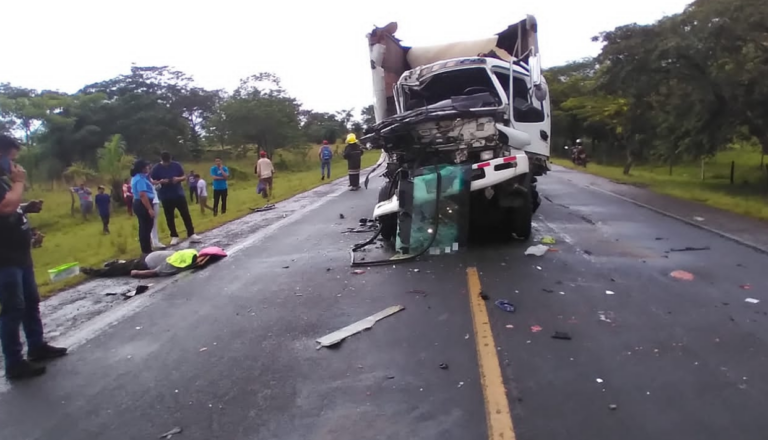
column 411, row 96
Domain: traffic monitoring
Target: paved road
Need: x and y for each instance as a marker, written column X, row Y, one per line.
column 229, row 353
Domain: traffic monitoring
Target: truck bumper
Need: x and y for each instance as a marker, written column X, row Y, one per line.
column 484, row 175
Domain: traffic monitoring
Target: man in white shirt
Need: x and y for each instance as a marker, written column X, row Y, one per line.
column 202, row 194
column 265, row 170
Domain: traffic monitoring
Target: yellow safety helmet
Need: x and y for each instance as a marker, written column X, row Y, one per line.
column 351, row 138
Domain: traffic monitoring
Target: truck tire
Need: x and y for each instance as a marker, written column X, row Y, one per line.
column 388, row 226
column 520, row 220
column 535, row 198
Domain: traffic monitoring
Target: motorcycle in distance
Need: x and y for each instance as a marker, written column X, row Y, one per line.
column 579, row 155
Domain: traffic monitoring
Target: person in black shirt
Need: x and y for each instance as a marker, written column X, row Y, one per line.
column 19, row 298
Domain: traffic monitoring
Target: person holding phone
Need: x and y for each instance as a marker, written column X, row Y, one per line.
column 19, row 297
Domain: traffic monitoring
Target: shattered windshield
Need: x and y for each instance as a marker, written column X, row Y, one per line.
column 445, row 85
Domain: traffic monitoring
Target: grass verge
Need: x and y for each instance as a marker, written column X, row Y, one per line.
column 72, row 239
column 748, row 195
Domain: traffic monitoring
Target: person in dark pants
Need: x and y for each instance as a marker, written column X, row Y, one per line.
column 170, row 174
column 103, row 204
column 144, row 194
column 19, row 298
column 353, row 154
column 326, row 156
column 192, row 183
column 220, row 175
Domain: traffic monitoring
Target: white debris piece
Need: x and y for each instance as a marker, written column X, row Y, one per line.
column 363, row 324
column 538, row 250
column 752, row 300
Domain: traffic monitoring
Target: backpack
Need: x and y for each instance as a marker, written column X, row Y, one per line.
column 326, row 153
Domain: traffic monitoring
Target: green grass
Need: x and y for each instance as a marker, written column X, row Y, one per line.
column 747, row 196
column 71, row 239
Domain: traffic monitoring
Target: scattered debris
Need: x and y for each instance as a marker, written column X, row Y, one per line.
column 358, row 272
column 466, row 336
column 443, row 366
column 605, row 316
column 746, row 286
column 417, row 291
column 699, row 219
column 286, row 267
column 341, row 216
column 328, row 269
column 538, row 267
column 660, row 238
column 538, row 250
column 587, row 252
column 417, row 270
column 510, row 326
column 690, row 249
column 599, row 380
column 562, row 335
column 363, row 324
column 548, row 290
column 204, row 349
column 171, row 433
column 610, row 292
column 613, row 407
column 505, row 305
column 536, row 328
column 390, row 377
column 484, row 296
column 682, row 275
column 141, row 288
column 460, row 384
column 548, row 240
column 265, row 208
column 752, row 300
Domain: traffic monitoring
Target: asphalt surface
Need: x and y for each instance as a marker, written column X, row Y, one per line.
column 230, row 352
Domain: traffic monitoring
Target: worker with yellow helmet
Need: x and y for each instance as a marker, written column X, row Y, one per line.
column 353, row 153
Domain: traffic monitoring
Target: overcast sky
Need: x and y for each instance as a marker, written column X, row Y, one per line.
column 318, row 48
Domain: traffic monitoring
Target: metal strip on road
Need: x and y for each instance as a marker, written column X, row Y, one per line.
column 498, row 416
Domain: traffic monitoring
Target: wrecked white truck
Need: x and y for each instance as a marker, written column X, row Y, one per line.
column 476, row 111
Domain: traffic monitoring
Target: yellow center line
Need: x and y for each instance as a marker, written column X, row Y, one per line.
column 498, row 416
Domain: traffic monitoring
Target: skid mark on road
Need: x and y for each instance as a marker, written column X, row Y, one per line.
column 498, row 416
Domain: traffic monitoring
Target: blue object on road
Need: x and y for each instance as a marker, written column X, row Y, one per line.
column 505, row 305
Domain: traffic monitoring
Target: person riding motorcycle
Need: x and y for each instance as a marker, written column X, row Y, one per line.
column 579, row 155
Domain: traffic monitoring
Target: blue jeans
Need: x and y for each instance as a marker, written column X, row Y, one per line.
column 20, row 303
column 325, row 165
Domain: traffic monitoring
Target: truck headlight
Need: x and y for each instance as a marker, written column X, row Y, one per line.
column 486, row 155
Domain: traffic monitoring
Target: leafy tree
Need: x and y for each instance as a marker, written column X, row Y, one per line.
column 114, row 164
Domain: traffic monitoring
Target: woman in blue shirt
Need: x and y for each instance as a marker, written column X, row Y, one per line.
column 144, row 194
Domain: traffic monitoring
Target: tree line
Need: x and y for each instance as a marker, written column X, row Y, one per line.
column 153, row 109
column 680, row 89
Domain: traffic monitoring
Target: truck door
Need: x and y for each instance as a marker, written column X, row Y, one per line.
column 529, row 103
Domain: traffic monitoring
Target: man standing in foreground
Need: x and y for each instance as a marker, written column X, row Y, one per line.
column 220, row 175
column 326, row 155
column 265, row 171
column 19, row 298
column 170, row 174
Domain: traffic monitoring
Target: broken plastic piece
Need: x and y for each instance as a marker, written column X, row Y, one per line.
column 699, row 219
column 689, row 249
column 599, row 380
column 537, row 250
column 562, row 335
column 609, row 292
column 358, row 272
column 682, row 275
column 443, row 366
column 536, row 328
column 752, row 300
column 746, row 286
column 548, row 240
column 505, row 305
column 341, row 216
column 613, row 407
column 605, row 316
column 363, row 324
column 171, row 433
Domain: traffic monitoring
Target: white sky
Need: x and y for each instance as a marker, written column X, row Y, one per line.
column 318, row 48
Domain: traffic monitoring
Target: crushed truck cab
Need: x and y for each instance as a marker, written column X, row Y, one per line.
column 483, row 103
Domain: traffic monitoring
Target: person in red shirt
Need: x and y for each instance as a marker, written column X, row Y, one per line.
column 128, row 196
